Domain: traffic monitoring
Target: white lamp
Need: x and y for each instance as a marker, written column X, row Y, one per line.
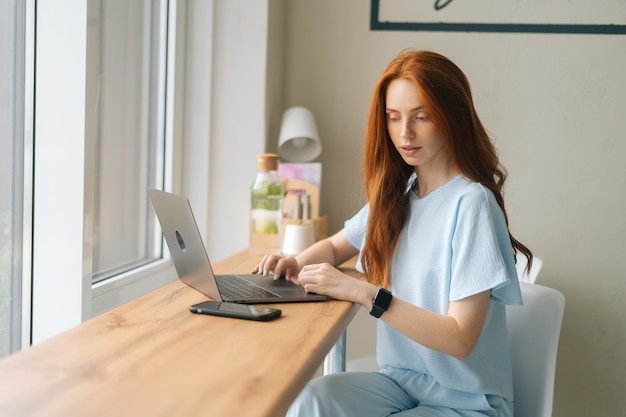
column 298, row 140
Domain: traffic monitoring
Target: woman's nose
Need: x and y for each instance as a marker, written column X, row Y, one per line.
column 407, row 130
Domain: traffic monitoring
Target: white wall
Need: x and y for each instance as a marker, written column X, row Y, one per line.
column 238, row 120
column 555, row 106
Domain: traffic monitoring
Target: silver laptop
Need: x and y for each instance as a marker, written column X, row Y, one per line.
column 194, row 268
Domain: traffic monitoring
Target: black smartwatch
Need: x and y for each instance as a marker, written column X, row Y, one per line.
column 381, row 302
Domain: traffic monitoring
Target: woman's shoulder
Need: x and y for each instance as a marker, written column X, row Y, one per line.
column 463, row 186
column 472, row 193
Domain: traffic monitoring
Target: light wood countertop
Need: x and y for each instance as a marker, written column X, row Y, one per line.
column 152, row 357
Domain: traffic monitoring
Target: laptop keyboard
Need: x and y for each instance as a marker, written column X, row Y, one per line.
column 235, row 288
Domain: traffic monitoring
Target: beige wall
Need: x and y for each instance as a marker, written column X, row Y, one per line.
column 556, row 108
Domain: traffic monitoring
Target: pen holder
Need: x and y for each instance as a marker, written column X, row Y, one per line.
column 296, row 238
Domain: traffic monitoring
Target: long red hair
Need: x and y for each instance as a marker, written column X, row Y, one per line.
column 446, row 93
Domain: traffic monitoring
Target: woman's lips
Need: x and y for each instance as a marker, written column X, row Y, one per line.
column 410, row 150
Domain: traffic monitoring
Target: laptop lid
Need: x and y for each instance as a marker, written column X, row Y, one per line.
column 192, row 262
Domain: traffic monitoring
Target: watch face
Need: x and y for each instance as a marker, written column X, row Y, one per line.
column 381, row 302
column 383, row 298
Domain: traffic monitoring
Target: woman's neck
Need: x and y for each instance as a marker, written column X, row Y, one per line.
column 430, row 180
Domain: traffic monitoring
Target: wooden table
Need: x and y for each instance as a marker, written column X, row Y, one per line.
column 152, row 357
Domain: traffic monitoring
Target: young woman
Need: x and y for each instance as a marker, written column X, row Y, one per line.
column 436, row 252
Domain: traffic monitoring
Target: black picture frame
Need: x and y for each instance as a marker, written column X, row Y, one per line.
column 590, row 29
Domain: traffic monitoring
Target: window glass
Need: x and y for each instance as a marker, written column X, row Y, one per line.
column 126, row 59
column 11, row 97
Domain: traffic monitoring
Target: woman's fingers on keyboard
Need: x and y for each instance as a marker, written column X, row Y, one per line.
column 267, row 264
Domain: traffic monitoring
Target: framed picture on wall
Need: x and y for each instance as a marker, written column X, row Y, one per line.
column 603, row 17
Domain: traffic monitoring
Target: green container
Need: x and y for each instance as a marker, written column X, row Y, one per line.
column 266, row 202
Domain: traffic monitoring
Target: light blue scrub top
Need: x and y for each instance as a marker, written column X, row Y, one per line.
column 454, row 244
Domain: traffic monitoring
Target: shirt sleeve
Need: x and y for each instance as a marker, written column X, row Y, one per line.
column 355, row 228
column 482, row 255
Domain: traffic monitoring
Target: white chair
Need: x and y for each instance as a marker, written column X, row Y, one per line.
column 534, row 331
column 531, row 276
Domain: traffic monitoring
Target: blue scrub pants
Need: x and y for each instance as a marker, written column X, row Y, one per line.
column 375, row 394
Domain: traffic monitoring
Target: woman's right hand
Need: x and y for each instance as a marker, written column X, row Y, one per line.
column 333, row 250
column 280, row 266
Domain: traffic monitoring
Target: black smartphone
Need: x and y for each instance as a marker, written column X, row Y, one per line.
column 240, row 311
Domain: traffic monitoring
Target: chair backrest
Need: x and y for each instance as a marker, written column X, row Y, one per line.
column 534, row 331
column 531, row 276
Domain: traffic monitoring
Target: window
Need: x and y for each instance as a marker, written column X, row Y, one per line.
column 7, row 126
column 125, row 125
column 14, row 178
column 103, row 136
column 51, row 241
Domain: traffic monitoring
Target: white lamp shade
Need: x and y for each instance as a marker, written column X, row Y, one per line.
column 298, row 140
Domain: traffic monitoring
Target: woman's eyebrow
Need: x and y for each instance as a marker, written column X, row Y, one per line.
column 415, row 109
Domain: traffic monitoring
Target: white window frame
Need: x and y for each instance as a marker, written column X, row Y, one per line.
column 58, row 178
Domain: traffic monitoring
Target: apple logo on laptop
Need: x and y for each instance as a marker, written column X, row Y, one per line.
column 181, row 242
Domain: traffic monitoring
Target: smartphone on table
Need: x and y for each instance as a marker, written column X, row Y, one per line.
column 240, row 311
